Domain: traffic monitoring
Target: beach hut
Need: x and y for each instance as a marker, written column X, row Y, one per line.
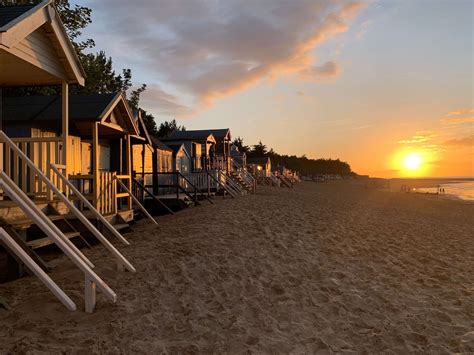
column 259, row 166
column 99, row 142
column 199, row 143
column 35, row 51
column 181, row 158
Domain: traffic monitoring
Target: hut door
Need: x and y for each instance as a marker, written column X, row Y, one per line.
column 104, row 158
column 86, row 158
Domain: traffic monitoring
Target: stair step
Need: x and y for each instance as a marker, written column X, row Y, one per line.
column 42, row 242
column 24, row 223
column 120, row 226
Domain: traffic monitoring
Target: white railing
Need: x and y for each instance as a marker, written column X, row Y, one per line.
column 121, row 259
column 132, row 196
column 41, row 151
column 248, row 178
column 35, row 269
column 52, row 231
column 230, row 183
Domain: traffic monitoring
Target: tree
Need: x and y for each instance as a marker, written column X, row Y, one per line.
column 239, row 143
column 259, row 150
column 150, row 123
column 167, row 128
column 101, row 77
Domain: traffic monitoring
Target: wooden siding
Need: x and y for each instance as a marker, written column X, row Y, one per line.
column 137, row 151
column 38, row 50
column 165, row 161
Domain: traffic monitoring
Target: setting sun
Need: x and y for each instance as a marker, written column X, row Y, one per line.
column 412, row 161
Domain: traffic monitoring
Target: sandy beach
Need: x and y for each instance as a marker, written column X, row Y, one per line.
column 328, row 267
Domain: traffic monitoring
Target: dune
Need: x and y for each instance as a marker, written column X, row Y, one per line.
column 322, row 268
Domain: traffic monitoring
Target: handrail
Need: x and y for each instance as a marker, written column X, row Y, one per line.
column 195, row 188
column 229, row 184
column 45, row 224
column 88, row 224
column 36, row 139
column 38, row 271
column 10, row 186
column 143, row 188
column 136, row 200
column 220, row 184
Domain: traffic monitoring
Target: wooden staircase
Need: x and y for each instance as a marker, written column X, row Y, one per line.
column 241, row 182
column 34, row 238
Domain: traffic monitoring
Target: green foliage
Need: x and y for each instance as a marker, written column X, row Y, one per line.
column 150, row 123
column 100, row 76
column 166, row 128
column 239, row 143
column 301, row 164
column 259, row 150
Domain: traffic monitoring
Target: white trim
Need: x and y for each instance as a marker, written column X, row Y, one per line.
column 35, row 269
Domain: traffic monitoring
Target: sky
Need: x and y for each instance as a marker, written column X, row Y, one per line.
column 385, row 85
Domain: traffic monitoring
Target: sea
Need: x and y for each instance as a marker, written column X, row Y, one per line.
column 460, row 189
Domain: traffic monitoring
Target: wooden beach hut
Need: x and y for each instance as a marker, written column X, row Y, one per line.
column 259, row 166
column 35, row 51
column 199, row 143
column 99, row 142
column 181, row 158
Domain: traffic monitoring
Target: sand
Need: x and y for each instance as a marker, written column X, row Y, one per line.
column 326, row 267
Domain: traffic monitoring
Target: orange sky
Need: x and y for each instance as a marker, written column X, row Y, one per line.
column 366, row 81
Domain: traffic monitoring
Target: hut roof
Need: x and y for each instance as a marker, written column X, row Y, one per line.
column 258, row 160
column 10, row 13
column 82, row 108
column 193, row 135
column 32, row 25
column 177, row 147
column 159, row 144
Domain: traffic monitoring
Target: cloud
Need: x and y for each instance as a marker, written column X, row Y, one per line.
column 457, row 120
column 207, row 49
column 327, row 70
column 364, row 28
column 418, row 138
column 156, row 99
column 458, row 117
column 461, row 112
column 464, row 141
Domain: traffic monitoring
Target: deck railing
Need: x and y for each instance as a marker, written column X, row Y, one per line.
column 41, row 151
column 108, row 197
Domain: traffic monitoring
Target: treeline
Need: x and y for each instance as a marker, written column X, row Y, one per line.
column 303, row 165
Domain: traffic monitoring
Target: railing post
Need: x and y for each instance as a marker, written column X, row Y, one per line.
column 177, row 185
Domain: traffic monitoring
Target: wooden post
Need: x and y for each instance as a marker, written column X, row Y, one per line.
column 90, row 295
column 128, row 163
column 95, row 163
column 65, row 124
column 1, row 109
column 155, row 171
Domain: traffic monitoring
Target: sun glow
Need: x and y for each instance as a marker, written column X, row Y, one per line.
column 412, row 161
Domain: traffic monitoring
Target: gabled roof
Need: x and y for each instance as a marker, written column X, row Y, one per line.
column 195, row 135
column 82, row 108
column 10, row 13
column 258, row 160
column 159, row 144
column 220, row 134
column 49, row 53
column 177, row 147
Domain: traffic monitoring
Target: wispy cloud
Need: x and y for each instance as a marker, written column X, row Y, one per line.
column 461, row 112
column 418, row 138
column 457, row 120
column 464, row 141
column 207, row 49
column 457, row 117
column 327, row 70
